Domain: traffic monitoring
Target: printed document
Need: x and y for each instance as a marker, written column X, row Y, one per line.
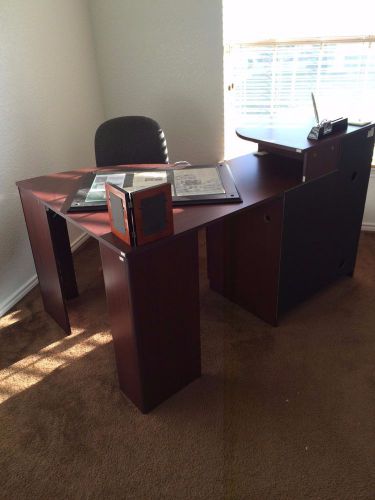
column 198, row 181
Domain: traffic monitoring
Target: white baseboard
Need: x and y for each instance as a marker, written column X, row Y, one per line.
column 368, row 226
column 33, row 281
column 79, row 241
column 18, row 295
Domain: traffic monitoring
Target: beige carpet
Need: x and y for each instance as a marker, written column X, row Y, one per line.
column 285, row 412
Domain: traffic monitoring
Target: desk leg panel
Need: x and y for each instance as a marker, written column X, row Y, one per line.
column 217, row 245
column 244, row 258
column 116, row 280
column 63, row 254
column 47, row 261
column 153, row 303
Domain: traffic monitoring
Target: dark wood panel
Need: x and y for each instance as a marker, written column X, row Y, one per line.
column 217, row 247
column 165, row 300
column 244, row 256
column 312, row 249
column 125, row 341
column 63, row 254
column 354, row 168
column 153, row 303
column 321, row 160
column 47, row 261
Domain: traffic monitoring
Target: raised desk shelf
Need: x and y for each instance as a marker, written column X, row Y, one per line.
column 317, row 158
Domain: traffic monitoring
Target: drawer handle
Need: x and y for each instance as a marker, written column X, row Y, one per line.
column 354, row 176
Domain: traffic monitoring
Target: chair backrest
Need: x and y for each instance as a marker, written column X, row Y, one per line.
column 130, row 139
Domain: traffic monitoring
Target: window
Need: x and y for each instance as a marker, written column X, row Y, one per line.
column 269, row 82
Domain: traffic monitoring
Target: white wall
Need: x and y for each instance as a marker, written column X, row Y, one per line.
column 164, row 59
column 50, row 106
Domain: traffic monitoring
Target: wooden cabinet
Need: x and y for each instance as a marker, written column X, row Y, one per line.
column 277, row 254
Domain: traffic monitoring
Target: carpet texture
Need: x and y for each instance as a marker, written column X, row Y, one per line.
column 286, row 412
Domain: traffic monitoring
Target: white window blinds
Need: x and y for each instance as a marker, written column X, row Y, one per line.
column 272, row 82
column 276, row 55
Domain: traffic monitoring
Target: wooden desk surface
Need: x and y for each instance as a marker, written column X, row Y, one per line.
column 257, row 179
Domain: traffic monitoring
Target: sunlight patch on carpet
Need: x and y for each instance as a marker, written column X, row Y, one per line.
column 10, row 318
column 34, row 368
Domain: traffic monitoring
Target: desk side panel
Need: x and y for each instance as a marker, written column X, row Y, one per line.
column 153, row 305
column 116, row 280
column 63, row 254
column 165, row 303
column 244, row 256
column 354, row 168
column 323, row 222
column 46, row 259
column 311, row 252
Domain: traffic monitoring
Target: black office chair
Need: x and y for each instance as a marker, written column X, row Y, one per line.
column 130, row 139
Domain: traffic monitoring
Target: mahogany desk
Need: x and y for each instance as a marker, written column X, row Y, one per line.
column 153, row 291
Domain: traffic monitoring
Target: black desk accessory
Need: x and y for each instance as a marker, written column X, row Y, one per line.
column 325, row 127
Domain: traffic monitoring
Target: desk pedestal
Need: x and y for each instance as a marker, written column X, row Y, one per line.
column 153, row 306
column 271, row 257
